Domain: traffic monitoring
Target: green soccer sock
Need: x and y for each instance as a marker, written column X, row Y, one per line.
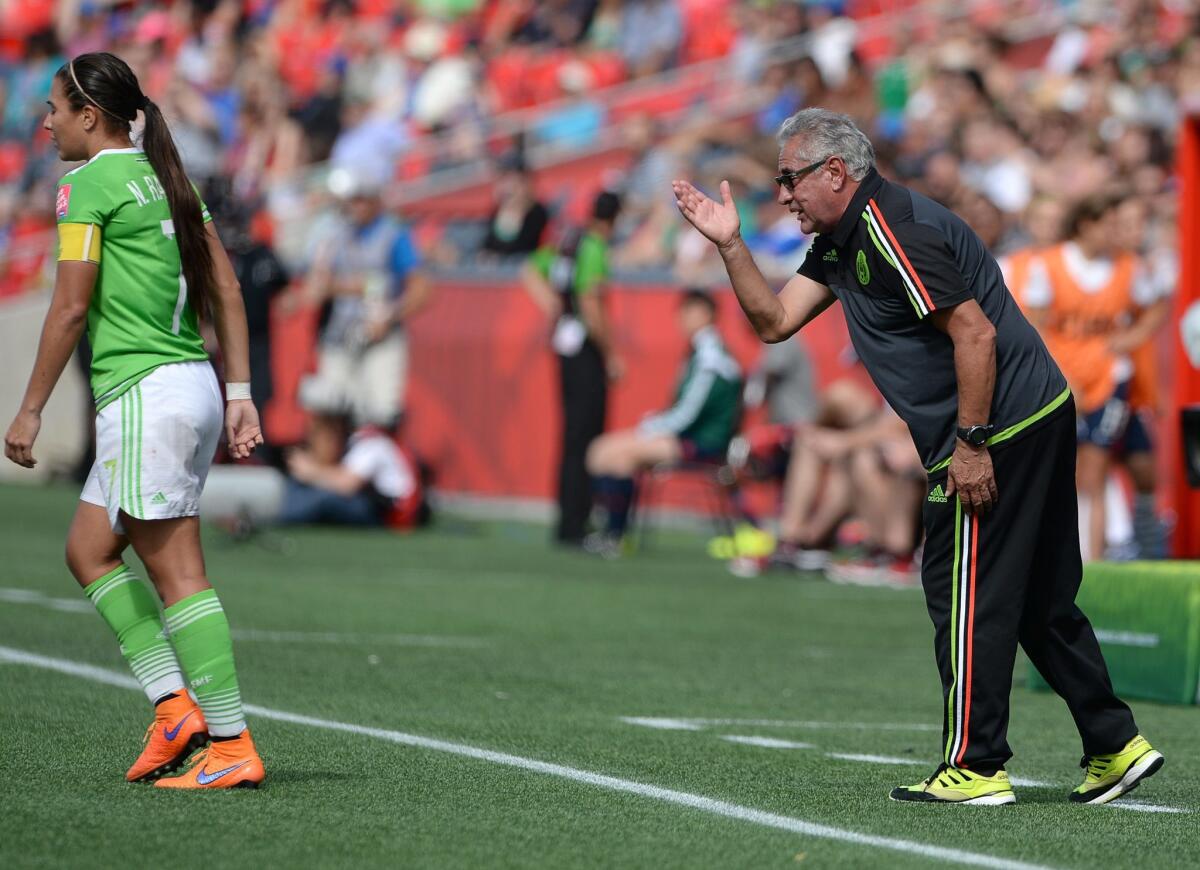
column 132, row 613
column 200, row 632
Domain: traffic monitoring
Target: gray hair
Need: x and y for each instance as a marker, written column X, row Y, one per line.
column 830, row 134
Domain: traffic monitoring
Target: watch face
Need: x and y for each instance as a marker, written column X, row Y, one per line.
column 976, row 436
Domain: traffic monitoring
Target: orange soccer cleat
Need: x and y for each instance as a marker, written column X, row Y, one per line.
column 230, row 763
column 177, row 731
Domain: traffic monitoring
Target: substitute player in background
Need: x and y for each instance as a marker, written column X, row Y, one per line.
column 1095, row 304
column 993, row 420
column 138, row 262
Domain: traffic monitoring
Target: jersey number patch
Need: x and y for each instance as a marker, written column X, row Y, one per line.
column 168, row 228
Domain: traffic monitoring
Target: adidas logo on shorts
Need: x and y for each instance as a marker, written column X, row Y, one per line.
column 158, row 498
column 938, row 496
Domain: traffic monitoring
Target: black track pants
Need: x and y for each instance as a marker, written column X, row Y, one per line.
column 1007, row 577
column 584, row 404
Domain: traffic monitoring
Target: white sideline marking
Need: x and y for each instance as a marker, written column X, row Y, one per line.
column 768, row 742
column 82, row 605
column 337, row 637
column 29, row 596
column 1138, row 807
column 875, row 759
column 663, row 724
column 612, row 783
column 693, row 724
column 1030, row 783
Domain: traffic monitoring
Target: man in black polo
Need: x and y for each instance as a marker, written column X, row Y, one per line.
column 994, row 422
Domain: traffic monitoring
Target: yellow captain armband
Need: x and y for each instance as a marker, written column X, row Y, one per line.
column 79, row 242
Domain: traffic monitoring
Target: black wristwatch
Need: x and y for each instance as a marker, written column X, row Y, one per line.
column 976, row 436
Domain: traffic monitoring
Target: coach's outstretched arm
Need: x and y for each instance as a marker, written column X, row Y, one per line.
column 773, row 317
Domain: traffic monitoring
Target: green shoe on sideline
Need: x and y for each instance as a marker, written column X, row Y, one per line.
column 1110, row 776
column 953, row 785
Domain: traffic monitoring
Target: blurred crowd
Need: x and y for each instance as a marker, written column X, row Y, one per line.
column 1002, row 124
column 298, row 117
column 267, row 93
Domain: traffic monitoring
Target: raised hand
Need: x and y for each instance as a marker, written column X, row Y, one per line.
column 717, row 221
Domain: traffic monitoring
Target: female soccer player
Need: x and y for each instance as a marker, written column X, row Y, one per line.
column 139, row 262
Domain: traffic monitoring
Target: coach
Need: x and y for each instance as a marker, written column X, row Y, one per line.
column 994, row 422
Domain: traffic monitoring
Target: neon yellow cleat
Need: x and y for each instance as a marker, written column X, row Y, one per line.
column 746, row 541
column 953, row 785
column 1110, row 776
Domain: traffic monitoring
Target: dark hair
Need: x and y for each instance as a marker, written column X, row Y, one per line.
column 106, row 82
column 1090, row 209
column 699, row 296
column 607, row 206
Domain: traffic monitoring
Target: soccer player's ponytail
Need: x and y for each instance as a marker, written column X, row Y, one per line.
column 106, row 82
column 190, row 232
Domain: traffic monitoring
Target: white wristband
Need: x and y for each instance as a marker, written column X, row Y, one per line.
column 237, row 391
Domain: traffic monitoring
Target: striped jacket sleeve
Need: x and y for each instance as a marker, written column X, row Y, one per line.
column 927, row 273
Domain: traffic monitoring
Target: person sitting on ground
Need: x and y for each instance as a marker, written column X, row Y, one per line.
column 697, row 427
column 887, row 484
column 816, row 490
column 855, row 461
column 365, row 479
column 355, row 478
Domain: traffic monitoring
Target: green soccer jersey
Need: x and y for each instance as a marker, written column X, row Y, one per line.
column 589, row 264
column 113, row 211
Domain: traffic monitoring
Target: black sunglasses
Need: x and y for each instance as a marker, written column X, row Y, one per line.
column 789, row 178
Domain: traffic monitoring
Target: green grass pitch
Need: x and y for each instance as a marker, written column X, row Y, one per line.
column 485, row 638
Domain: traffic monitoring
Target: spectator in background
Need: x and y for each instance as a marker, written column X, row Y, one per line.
column 269, row 147
column 516, row 226
column 568, row 283
column 320, row 116
column 558, row 23
column 783, row 382
column 816, row 490
column 651, row 35
column 340, row 476
column 855, row 459
column 994, row 165
column 697, row 427
column 647, row 209
column 1043, row 227
column 353, row 478
column 575, row 125
column 1146, row 395
column 604, row 30
column 887, row 485
column 262, row 277
column 369, row 142
column 368, row 277
column 194, row 128
column 1094, row 304
column 23, row 88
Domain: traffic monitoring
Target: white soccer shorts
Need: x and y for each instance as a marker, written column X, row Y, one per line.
column 155, row 444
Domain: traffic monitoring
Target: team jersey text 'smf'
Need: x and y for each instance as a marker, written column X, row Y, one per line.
column 113, row 211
